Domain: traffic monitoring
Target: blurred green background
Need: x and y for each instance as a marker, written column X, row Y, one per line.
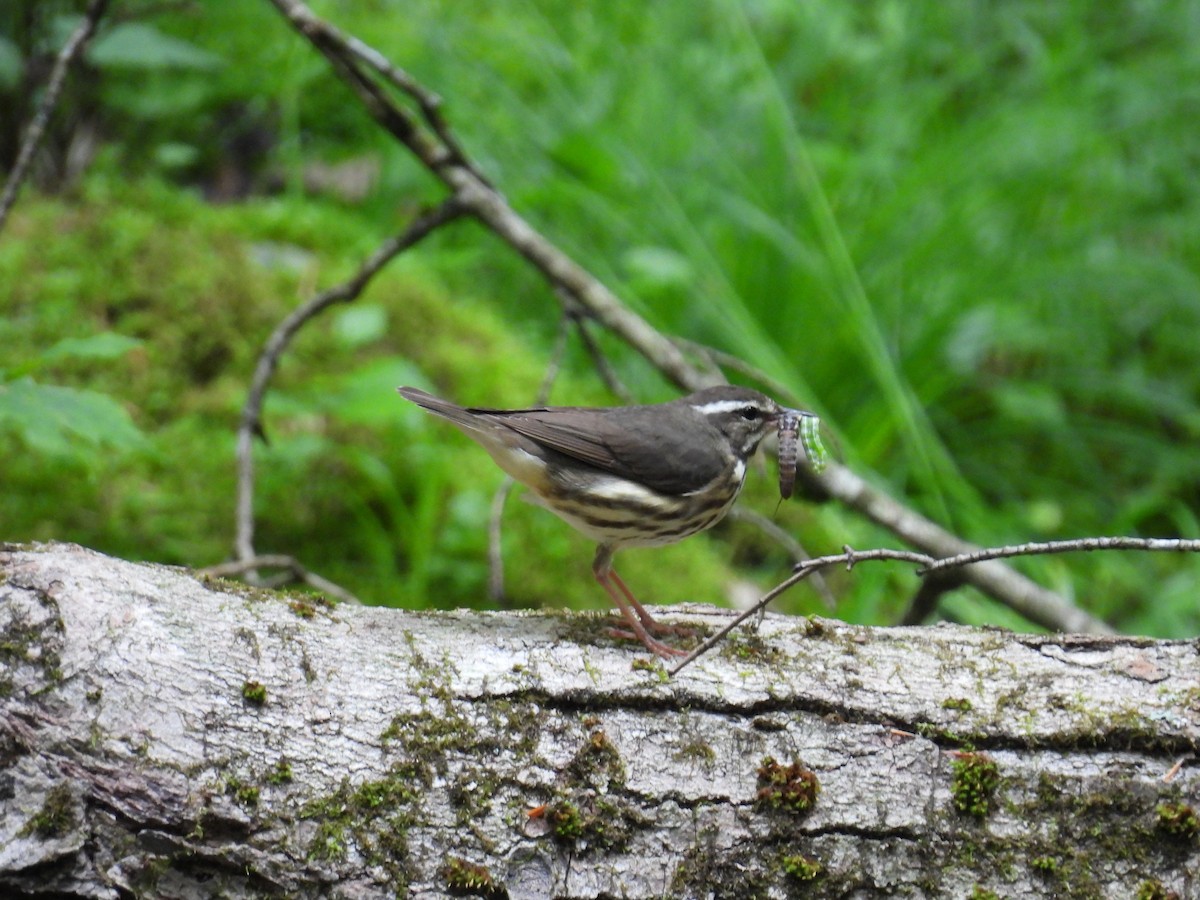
column 965, row 233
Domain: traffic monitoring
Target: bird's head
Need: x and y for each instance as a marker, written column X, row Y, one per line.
column 742, row 415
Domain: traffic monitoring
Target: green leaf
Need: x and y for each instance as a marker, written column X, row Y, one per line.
column 659, row 267
column 358, row 325
column 62, row 421
column 139, row 46
column 106, row 345
column 367, row 395
column 103, row 346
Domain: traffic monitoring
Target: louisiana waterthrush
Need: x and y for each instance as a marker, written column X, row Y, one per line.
column 627, row 476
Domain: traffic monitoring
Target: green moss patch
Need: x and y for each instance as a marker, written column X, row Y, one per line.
column 974, row 779
column 791, row 787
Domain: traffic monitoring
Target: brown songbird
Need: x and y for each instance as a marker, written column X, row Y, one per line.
column 626, row 476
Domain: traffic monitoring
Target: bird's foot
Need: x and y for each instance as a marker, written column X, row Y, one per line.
column 650, row 643
column 655, row 627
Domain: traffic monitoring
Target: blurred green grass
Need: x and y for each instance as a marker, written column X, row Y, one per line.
column 967, row 234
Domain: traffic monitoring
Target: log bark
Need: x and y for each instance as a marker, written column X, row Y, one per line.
column 162, row 735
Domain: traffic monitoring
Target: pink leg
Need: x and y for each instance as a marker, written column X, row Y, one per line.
column 621, row 596
column 652, row 624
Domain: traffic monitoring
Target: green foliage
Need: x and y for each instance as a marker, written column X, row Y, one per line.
column 364, row 487
column 139, row 46
column 966, row 234
column 65, row 423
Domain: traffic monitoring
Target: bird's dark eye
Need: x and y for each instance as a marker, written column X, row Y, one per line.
column 749, row 413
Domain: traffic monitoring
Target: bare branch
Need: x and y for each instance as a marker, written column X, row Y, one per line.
column 295, row 572
column 37, row 127
column 491, row 208
column 1160, row 545
column 931, row 567
column 992, row 578
column 801, row 572
column 427, row 101
column 251, row 424
column 715, row 357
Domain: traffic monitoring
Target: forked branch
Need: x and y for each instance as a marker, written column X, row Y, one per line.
column 251, row 423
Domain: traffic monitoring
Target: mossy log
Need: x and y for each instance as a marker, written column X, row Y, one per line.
column 166, row 736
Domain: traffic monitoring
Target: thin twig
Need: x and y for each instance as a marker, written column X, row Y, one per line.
column 37, row 126
column 745, row 614
column 251, row 423
column 993, row 578
column 427, row 101
column 295, row 572
column 929, row 566
column 800, row 572
column 721, row 359
column 600, row 361
column 1161, row 545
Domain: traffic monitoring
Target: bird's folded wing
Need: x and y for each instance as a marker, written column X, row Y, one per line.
column 642, row 447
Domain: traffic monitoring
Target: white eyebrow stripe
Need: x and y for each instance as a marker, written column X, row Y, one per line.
column 724, row 406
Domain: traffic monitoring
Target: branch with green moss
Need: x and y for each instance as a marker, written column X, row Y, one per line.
column 169, row 734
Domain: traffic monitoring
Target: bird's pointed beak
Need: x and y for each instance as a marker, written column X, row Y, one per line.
column 799, row 415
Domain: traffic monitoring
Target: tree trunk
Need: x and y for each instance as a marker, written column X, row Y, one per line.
column 166, row 736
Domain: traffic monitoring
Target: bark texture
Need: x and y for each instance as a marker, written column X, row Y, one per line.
column 164, row 736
